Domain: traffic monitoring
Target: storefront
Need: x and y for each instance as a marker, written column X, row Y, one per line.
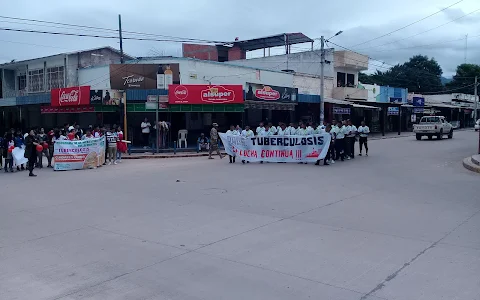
column 267, row 103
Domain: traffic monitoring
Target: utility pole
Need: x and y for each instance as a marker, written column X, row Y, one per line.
column 124, row 96
column 120, row 36
column 476, row 101
column 322, row 80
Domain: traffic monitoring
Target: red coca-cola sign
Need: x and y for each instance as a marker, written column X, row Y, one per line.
column 267, row 93
column 72, row 96
column 205, row 94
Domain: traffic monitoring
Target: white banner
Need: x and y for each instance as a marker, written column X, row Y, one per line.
column 277, row 148
column 76, row 155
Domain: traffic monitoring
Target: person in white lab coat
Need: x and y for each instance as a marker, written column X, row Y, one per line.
column 363, row 131
column 310, row 129
column 232, row 131
column 282, row 129
column 272, row 130
column 247, row 133
column 260, row 129
column 291, row 129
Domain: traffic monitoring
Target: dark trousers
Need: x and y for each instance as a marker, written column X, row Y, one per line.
column 32, row 160
column 145, row 139
column 340, row 148
column 232, row 159
column 8, row 163
column 350, row 146
column 364, row 141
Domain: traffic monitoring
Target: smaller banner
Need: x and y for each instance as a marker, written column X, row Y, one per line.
column 341, row 110
column 276, row 148
column 77, row 155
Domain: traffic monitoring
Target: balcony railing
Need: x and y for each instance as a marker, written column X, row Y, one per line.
column 350, row 93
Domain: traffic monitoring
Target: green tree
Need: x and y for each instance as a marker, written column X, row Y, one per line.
column 419, row 74
column 464, row 79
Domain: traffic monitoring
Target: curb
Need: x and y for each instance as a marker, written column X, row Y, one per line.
column 154, row 156
column 469, row 164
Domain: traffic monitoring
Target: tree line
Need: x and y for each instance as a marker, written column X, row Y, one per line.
column 422, row 74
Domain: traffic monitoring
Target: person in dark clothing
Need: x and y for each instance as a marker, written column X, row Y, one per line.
column 31, row 143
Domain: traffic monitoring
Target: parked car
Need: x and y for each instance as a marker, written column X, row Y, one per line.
column 433, row 126
column 477, row 125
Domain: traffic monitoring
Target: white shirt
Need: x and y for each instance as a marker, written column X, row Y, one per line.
column 301, row 131
column 262, row 133
column 320, row 129
column 310, row 130
column 280, row 131
column 145, row 127
column 291, row 130
column 248, row 133
column 272, row 130
column 233, row 132
column 353, row 131
column 363, row 131
column 269, row 132
column 260, row 130
column 341, row 132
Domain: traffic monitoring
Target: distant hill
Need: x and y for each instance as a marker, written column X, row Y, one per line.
column 445, row 80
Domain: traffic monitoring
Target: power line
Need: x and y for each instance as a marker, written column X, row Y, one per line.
column 431, row 29
column 418, row 21
column 93, row 36
column 112, row 30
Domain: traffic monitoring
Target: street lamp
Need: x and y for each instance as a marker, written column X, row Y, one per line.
column 322, row 76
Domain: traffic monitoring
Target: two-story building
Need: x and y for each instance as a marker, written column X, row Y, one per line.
column 26, row 85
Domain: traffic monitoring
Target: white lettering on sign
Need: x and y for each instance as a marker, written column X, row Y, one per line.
column 132, row 80
column 67, row 98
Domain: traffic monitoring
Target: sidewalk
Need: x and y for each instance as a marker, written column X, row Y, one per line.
column 148, row 155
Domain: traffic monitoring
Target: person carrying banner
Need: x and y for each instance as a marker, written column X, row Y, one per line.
column 232, row 131
column 328, row 156
column 260, row 129
column 247, row 133
column 282, row 129
column 272, row 130
column 214, row 142
column 363, row 131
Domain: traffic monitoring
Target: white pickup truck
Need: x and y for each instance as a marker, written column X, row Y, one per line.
column 433, row 126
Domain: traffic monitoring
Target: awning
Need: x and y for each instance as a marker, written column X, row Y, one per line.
column 337, row 101
column 66, row 110
column 269, row 105
column 443, row 105
column 365, row 106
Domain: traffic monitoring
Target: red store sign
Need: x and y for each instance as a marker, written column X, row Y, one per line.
column 205, row 94
column 72, row 96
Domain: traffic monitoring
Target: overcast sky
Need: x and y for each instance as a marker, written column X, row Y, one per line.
column 224, row 20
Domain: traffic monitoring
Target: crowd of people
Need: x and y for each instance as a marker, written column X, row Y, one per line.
column 37, row 144
column 343, row 136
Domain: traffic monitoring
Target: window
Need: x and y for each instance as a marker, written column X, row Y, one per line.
column 22, row 82
column 340, row 79
column 55, row 78
column 350, row 80
column 35, row 81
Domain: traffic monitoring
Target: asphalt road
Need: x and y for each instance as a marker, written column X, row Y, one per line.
column 403, row 223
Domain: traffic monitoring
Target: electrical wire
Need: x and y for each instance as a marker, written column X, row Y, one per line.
column 431, row 29
column 112, row 30
column 401, row 28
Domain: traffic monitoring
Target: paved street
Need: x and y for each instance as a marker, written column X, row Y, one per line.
column 403, row 223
